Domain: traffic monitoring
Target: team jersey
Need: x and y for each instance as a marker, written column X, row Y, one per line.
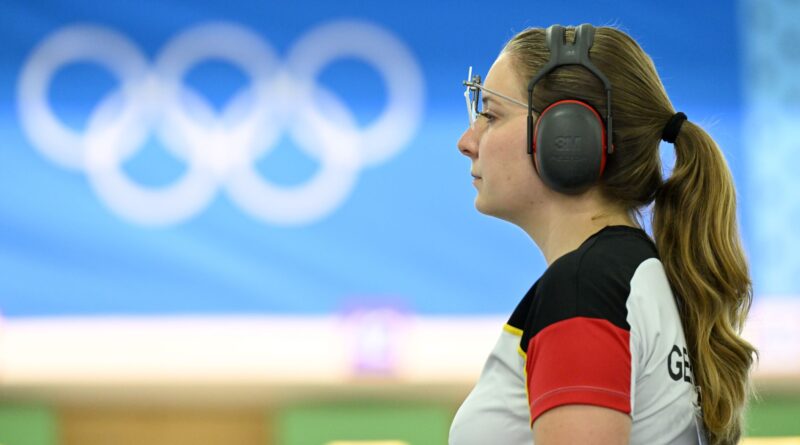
column 600, row 327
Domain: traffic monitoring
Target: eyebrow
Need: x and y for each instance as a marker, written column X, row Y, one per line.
column 490, row 96
column 487, row 99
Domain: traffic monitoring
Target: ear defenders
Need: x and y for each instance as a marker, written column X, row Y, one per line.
column 570, row 141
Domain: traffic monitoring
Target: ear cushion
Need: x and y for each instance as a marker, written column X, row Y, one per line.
column 569, row 146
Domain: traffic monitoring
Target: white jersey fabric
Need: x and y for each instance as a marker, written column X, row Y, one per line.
column 599, row 327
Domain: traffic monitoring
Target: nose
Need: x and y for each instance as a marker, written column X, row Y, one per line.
column 468, row 145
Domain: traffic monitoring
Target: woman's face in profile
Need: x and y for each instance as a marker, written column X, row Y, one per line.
column 503, row 172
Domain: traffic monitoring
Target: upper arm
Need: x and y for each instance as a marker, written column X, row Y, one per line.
column 584, row 424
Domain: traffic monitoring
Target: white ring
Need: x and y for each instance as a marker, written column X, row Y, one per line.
column 56, row 141
column 243, row 49
column 159, row 206
column 395, row 126
column 337, row 140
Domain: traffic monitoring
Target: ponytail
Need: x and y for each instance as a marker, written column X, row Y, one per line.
column 694, row 225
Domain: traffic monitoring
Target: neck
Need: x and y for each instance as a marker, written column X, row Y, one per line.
column 567, row 227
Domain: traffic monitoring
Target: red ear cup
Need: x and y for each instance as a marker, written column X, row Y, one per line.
column 569, row 146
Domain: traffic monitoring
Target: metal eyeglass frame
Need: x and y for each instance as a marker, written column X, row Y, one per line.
column 474, row 86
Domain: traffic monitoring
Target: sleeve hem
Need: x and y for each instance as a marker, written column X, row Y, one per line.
column 580, row 396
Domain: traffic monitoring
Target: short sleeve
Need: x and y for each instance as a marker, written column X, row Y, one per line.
column 579, row 360
column 577, row 337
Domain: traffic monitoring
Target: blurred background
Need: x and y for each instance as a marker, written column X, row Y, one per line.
column 248, row 223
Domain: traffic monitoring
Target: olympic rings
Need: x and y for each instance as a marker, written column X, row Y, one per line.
column 221, row 148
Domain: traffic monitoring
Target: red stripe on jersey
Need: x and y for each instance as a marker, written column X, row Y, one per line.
column 579, row 361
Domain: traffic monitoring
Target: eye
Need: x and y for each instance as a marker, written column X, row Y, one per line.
column 486, row 115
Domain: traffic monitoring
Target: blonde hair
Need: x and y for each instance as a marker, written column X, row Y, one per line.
column 694, row 215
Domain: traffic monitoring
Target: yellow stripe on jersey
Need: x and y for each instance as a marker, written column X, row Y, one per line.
column 518, row 332
column 512, row 330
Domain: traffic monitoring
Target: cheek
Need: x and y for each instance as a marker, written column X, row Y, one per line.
column 524, row 180
column 514, row 182
column 521, row 165
column 505, row 154
column 508, row 144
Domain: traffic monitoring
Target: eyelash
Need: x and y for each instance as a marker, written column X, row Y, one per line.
column 486, row 116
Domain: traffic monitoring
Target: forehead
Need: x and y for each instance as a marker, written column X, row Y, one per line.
column 503, row 79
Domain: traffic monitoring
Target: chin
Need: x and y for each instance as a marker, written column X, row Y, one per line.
column 493, row 210
column 483, row 207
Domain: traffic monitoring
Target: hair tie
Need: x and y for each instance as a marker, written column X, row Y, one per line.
column 673, row 127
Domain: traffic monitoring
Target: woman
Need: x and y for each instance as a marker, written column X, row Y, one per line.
column 622, row 339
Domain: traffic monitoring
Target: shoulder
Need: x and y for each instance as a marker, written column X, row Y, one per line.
column 593, row 281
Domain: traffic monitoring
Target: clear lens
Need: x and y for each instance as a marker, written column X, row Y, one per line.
column 475, row 101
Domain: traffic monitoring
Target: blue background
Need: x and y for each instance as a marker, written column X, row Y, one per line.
column 407, row 236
